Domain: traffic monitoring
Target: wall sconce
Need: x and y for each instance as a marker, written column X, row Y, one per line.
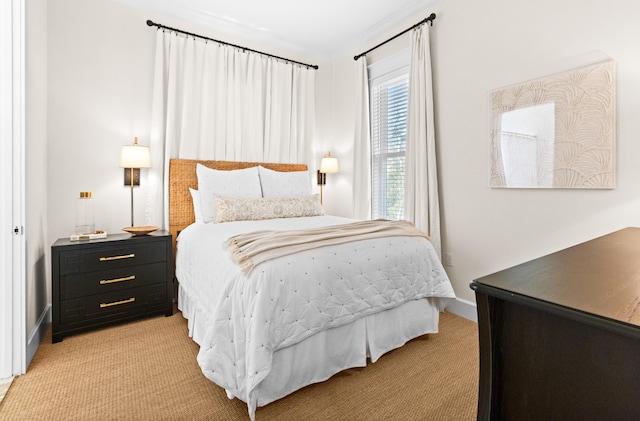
column 132, row 158
column 328, row 164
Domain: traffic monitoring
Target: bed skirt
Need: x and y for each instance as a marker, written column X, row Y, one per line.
column 326, row 353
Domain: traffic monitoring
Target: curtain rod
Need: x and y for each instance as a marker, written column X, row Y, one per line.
column 151, row 23
column 423, row 21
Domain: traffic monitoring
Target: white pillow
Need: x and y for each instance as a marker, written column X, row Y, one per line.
column 243, row 209
column 279, row 183
column 195, row 198
column 235, row 183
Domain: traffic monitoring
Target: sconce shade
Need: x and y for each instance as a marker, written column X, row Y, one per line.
column 135, row 156
column 329, row 164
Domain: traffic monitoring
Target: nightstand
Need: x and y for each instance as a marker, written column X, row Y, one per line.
column 97, row 283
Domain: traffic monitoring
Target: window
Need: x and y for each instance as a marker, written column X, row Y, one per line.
column 389, row 95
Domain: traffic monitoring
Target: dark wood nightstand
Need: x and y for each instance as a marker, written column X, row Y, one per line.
column 97, row 283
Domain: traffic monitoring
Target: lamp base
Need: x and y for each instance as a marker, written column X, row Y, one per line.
column 144, row 230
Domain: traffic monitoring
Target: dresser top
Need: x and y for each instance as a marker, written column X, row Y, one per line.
column 600, row 277
column 111, row 238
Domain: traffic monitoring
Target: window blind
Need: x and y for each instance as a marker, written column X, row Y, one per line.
column 388, row 115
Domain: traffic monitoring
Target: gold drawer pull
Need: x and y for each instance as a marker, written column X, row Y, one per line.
column 124, row 256
column 117, row 303
column 111, row 281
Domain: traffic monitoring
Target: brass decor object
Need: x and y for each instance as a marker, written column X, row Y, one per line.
column 144, row 230
column 113, row 281
column 117, row 303
column 124, row 256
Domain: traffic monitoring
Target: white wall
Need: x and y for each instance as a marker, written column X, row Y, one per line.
column 37, row 273
column 100, row 78
column 481, row 45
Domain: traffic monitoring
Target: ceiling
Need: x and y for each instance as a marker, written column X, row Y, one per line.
column 325, row 29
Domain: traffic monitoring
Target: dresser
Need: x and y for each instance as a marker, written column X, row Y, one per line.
column 560, row 335
column 101, row 282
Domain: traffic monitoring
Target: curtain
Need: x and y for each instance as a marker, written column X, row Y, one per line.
column 217, row 102
column 362, row 146
column 422, row 205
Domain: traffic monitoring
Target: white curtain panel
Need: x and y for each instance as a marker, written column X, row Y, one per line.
column 362, row 146
column 422, row 205
column 216, row 102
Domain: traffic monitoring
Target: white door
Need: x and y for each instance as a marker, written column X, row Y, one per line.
column 12, row 244
column 6, row 260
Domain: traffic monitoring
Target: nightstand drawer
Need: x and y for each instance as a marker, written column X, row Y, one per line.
column 94, row 306
column 104, row 258
column 100, row 282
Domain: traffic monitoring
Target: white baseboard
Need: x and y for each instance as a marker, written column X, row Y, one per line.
column 4, row 387
column 463, row 308
column 38, row 333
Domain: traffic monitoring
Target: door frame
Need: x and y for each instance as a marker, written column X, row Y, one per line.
column 12, row 190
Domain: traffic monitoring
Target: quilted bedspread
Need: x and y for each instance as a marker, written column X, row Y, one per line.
column 283, row 301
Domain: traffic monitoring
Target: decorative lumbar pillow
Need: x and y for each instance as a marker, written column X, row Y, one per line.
column 240, row 209
column 279, row 183
column 237, row 183
column 197, row 209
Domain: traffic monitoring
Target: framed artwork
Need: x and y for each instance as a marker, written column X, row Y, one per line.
column 558, row 131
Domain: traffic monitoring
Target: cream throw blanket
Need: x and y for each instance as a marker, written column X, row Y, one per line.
column 251, row 249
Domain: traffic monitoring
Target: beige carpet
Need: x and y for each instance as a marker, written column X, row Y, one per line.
column 147, row 370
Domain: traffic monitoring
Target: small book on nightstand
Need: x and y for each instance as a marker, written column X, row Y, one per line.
column 89, row 236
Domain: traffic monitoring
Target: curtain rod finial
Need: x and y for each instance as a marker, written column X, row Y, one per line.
column 150, row 22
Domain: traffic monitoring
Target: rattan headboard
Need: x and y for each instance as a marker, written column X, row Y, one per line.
column 182, row 175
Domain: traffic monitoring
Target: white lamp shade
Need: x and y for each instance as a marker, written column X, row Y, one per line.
column 329, row 164
column 135, row 156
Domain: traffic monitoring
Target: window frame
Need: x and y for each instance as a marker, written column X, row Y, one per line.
column 382, row 73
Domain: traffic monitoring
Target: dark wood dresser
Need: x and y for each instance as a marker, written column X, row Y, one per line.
column 101, row 282
column 560, row 335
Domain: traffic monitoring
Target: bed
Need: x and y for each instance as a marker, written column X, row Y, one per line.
column 270, row 328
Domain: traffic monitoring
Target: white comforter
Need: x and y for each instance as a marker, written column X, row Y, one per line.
column 286, row 300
